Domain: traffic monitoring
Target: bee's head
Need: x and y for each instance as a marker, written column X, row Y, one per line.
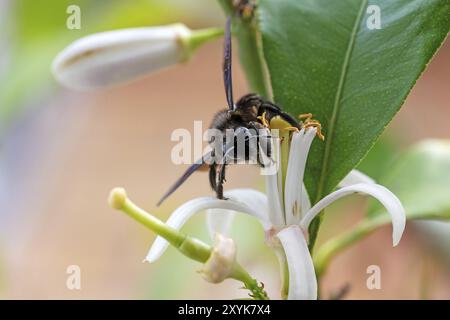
column 248, row 106
column 249, row 100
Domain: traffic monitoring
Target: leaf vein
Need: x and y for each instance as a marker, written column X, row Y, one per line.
column 338, row 97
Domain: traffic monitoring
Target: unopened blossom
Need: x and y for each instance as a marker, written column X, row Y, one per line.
column 115, row 57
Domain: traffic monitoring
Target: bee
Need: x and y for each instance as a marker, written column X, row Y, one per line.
column 248, row 116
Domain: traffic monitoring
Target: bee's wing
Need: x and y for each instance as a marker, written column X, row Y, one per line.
column 227, row 77
column 194, row 167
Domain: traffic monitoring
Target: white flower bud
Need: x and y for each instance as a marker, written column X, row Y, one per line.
column 114, row 57
column 220, row 264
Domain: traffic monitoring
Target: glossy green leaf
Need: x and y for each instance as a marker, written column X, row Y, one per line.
column 323, row 58
column 421, row 180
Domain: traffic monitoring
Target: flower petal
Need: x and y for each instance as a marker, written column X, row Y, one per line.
column 354, row 177
column 306, row 202
column 302, row 277
column 187, row 210
column 273, row 191
column 382, row 194
column 293, row 191
column 219, row 220
column 114, row 57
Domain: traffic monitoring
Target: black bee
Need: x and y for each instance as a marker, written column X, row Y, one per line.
column 250, row 112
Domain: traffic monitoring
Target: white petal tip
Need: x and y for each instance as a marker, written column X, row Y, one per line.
column 397, row 233
column 150, row 259
column 156, row 251
column 153, row 255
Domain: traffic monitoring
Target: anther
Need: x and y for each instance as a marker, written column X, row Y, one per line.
column 264, row 120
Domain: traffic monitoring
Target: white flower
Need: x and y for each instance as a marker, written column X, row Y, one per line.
column 114, row 57
column 286, row 219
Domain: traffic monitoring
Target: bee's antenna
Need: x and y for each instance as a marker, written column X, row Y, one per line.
column 189, row 171
column 179, row 182
column 227, row 77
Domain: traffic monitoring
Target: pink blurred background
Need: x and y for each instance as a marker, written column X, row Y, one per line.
column 60, row 161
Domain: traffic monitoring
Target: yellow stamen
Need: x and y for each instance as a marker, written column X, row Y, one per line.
column 292, row 129
column 305, row 116
column 318, row 127
column 311, row 123
column 264, row 120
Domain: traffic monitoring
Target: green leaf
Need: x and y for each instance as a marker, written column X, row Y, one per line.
column 421, row 180
column 323, row 59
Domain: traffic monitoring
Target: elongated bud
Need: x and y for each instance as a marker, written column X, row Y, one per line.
column 110, row 58
column 220, row 264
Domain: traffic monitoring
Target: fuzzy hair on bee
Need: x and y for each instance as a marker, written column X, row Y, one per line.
column 245, row 120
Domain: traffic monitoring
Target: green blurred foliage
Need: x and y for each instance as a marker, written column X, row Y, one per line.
column 420, row 178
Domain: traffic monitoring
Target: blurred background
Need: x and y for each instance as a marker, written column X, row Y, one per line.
column 61, row 152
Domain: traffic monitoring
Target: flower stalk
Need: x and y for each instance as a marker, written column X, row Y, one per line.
column 200, row 37
column 192, row 248
column 332, row 247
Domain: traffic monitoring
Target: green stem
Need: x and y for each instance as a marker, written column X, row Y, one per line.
column 252, row 59
column 251, row 284
column 250, row 51
column 191, row 247
column 199, row 37
column 332, row 247
column 314, row 230
column 285, row 145
column 284, row 273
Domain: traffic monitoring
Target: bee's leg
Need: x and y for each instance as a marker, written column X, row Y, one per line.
column 256, row 125
column 252, row 147
column 309, row 122
column 212, row 176
column 285, row 116
column 266, row 149
column 220, row 180
column 289, row 119
column 217, row 179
